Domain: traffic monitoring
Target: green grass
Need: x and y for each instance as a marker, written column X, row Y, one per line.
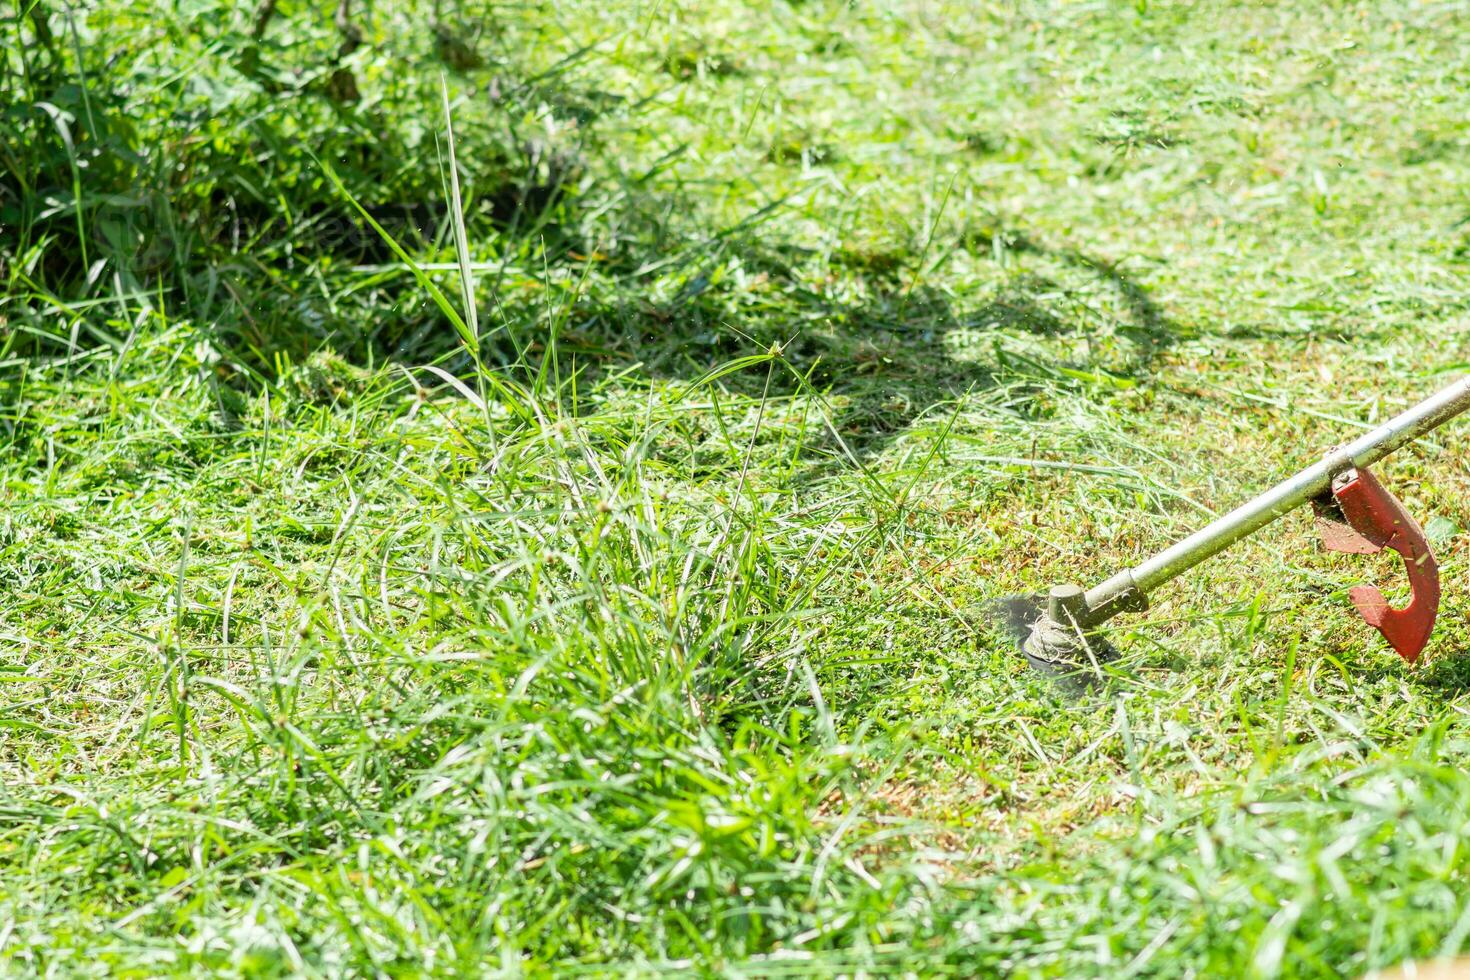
column 623, row 621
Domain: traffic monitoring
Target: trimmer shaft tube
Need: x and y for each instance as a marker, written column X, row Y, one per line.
column 1127, row 589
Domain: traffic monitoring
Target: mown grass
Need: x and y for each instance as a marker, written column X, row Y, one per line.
column 628, row 625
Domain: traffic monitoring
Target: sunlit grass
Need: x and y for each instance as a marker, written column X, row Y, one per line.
column 617, row 612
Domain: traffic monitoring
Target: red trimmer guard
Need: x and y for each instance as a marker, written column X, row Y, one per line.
column 1365, row 520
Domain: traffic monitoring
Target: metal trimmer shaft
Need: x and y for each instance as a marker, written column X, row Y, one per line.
column 1128, row 590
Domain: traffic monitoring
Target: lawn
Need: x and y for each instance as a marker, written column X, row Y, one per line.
column 514, row 489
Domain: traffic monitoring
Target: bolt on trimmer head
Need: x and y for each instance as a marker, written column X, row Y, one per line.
column 1355, row 514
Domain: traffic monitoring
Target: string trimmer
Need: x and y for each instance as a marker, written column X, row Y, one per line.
column 1355, row 514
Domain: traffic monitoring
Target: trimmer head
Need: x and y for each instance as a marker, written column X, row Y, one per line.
column 1050, row 641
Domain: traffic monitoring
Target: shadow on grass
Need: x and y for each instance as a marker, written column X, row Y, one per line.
column 237, row 227
column 243, row 235
column 885, row 351
column 1447, row 675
